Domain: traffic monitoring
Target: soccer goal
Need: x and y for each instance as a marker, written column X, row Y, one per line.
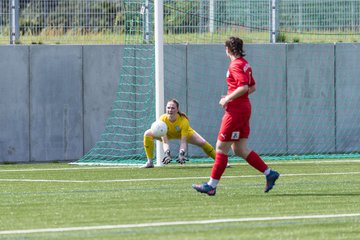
column 297, row 113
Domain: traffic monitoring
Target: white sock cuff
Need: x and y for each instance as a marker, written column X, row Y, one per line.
column 267, row 171
column 213, row 182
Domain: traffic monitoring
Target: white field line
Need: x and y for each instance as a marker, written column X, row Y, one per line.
column 169, row 179
column 161, row 224
column 95, row 167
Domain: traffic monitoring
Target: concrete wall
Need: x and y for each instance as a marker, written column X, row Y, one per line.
column 54, row 99
column 56, row 106
column 310, row 97
column 269, row 101
column 347, row 84
column 101, row 71
column 14, row 104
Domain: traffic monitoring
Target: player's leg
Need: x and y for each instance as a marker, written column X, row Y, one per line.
column 221, row 161
column 198, row 140
column 240, row 149
column 223, row 145
column 220, row 164
column 149, row 149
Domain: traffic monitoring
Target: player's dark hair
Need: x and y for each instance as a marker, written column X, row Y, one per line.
column 178, row 107
column 235, row 46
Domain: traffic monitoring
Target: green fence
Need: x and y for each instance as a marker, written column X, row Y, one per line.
column 104, row 21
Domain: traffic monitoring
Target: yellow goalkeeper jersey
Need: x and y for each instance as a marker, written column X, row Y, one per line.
column 181, row 127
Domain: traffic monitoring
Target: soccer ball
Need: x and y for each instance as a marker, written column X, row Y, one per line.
column 159, row 129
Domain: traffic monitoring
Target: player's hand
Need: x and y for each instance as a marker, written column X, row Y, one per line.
column 182, row 158
column 223, row 101
column 167, row 159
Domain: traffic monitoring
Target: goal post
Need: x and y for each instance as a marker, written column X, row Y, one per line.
column 159, row 70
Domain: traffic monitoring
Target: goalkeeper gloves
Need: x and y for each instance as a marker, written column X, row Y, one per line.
column 181, row 158
column 167, row 159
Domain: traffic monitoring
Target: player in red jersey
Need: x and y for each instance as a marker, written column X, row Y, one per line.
column 235, row 126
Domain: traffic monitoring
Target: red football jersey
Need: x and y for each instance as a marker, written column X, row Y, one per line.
column 239, row 74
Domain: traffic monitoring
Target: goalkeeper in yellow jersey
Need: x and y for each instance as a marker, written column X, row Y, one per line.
column 178, row 128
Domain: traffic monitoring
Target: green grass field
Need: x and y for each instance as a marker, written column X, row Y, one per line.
column 311, row 200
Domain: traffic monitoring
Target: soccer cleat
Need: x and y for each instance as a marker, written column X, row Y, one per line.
column 270, row 180
column 205, row 188
column 148, row 165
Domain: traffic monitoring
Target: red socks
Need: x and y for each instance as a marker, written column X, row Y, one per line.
column 256, row 162
column 219, row 167
column 221, row 161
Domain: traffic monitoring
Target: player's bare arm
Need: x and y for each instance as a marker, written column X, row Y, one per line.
column 166, row 145
column 235, row 94
column 183, row 143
